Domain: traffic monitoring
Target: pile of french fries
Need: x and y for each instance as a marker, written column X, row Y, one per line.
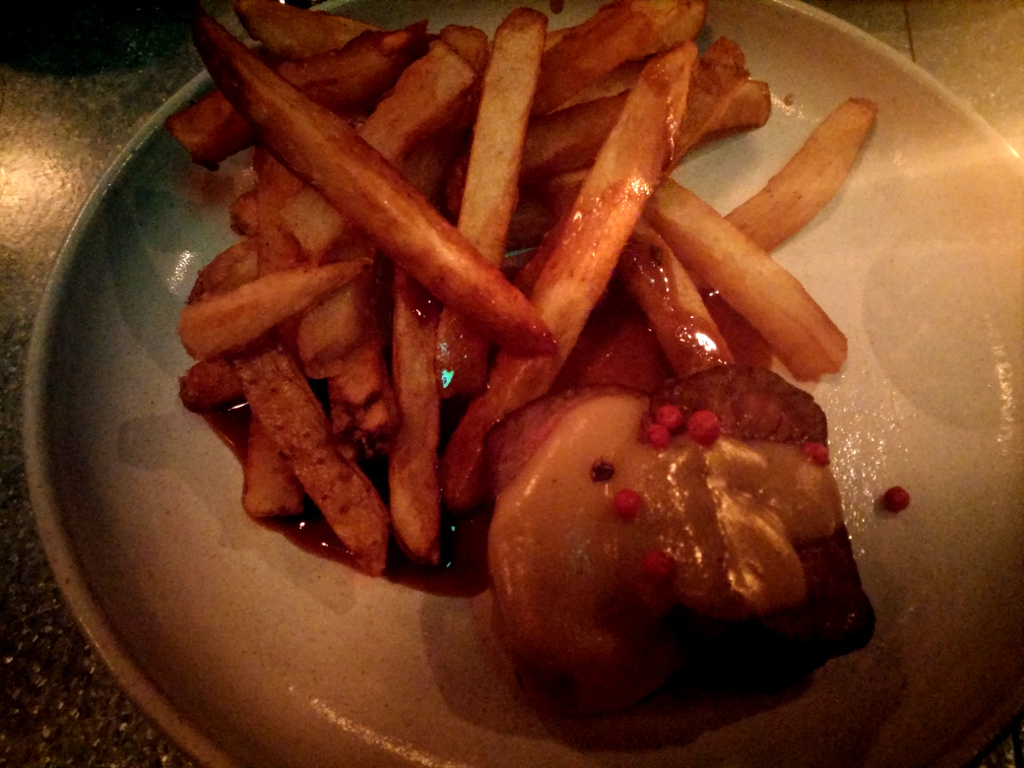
column 395, row 172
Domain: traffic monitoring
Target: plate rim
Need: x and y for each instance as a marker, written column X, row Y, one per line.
column 58, row 545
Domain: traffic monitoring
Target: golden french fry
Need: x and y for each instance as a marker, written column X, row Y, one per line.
column 718, row 77
column 314, row 223
column 270, row 487
column 329, row 330
column 212, row 130
column 228, row 270
column 580, row 260
column 281, row 399
column 568, row 139
column 750, row 108
column 209, row 385
column 425, row 99
column 492, row 183
column 470, row 43
column 770, row 298
column 294, row 33
column 810, row 179
column 229, row 321
column 325, row 152
column 660, row 286
column 415, row 498
column 277, row 248
column 618, row 32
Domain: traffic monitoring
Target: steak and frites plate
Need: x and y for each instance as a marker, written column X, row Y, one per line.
column 250, row 650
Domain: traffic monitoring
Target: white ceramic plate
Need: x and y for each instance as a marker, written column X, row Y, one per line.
column 249, row 650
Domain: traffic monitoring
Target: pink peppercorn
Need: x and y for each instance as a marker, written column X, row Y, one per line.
column 816, row 452
column 703, row 427
column 628, row 503
column 896, row 499
column 657, row 565
column 659, row 436
column 670, row 417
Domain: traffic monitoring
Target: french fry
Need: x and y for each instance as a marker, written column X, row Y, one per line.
column 270, row 487
column 750, row 108
column 363, row 412
column 618, row 32
column 770, row 298
column 277, row 248
column 580, row 260
column 415, row 498
column 470, row 43
column 427, row 97
column 660, row 286
column 294, row 33
column 316, row 225
column 492, row 183
column 325, row 152
column 331, row 329
column 210, row 385
column 228, row 270
column 811, row 178
column 243, row 214
column 230, row 321
column 718, row 77
column 568, row 139
column 424, row 99
column 616, row 82
column 212, row 130
column 281, row 399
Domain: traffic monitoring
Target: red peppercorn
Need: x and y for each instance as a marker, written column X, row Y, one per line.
column 670, row 417
column 628, row 503
column 659, row 436
column 896, row 499
column 816, row 452
column 703, row 427
column 657, row 565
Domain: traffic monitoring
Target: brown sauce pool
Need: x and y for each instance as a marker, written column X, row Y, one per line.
column 462, row 571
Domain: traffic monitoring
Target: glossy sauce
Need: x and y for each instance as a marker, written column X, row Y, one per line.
column 463, row 569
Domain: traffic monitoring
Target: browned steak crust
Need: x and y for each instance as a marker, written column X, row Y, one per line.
column 756, row 404
column 751, row 404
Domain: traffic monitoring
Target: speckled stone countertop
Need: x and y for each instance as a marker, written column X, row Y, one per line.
column 76, row 82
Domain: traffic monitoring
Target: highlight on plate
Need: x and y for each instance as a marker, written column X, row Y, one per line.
column 467, row 286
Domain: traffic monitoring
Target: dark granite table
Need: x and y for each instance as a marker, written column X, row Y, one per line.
column 76, row 81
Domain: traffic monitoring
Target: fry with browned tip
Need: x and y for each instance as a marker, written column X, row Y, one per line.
column 578, row 260
column 810, row 179
column 326, row 152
